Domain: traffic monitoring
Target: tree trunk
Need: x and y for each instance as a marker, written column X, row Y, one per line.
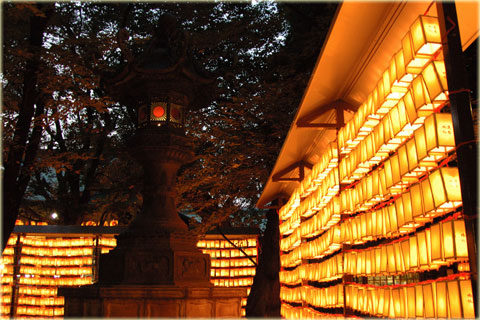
column 264, row 298
column 22, row 149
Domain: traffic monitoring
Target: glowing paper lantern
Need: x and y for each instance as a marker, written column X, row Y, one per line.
column 435, row 79
column 425, row 34
column 467, row 298
column 428, row 299
column 445, row 185
column 404, row 77
column 413, row 63
column 461, row 251
column 439, row 135
column 421, row 98
column 441, row 299
column 454, row 302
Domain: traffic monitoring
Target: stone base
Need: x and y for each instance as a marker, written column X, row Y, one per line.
column 136, row 301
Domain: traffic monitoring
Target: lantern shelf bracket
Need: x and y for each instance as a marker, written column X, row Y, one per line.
column 300, row 165
column 308, row 121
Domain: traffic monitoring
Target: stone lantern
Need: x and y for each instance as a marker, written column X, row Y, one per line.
column 156, row 270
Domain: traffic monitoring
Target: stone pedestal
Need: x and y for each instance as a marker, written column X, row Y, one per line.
column 156, row 270
column 153, row 302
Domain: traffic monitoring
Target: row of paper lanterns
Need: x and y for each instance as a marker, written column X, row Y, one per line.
column 290, row 312
column 235, row 282
column 395, row 82
column 441, row 244
column 320, row 171
column 38, row 311
column 325, row 244
column 237, row 272
column 320, row 221
column 328, row 297
column 450, row 297
column 56, row 242
column 432, row 197
column 433, row 299
column 226, row 253
column 220, row 244
column 41, row 301
column 438, row 193
column 425, row 150
column 52, row 252
column 74, row 271
column 59, row 262
column 38, row 291
column 327, row 270
column 314, row 202
column 413, row 159
column 226, row 263
column 70, row 281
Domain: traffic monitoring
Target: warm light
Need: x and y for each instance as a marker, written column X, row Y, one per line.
column 461, row 251
column 404, row 78
column 413, row 63
column 435, row 79
column 426, row 38
column 445, row 184
column 454, row 303
column 467, row 298
column 440, row 137
column 421, row 98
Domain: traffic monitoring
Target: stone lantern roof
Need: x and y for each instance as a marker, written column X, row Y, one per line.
column 165, row 68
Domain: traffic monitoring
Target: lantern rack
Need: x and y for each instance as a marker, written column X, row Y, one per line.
column 381, row 208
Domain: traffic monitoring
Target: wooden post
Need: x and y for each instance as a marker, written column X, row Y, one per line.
column 16, row 273
column 459, row 94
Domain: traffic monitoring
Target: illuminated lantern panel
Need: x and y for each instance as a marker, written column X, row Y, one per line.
column 391, row 215
column 46, row 263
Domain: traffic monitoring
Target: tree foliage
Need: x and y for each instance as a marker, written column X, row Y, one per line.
column 261, row 56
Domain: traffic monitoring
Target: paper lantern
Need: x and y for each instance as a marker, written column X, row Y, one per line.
column 396, row 303
column 427, row 197
column 408, row 302
column 426, row 37
column 461, row 248
column 445, row 184
column 414, row 168
column 405, row 247
column 448, row 240
column 400, row 266
column 454, row 302
column 428, row 299
column 391, row 259
column 441, row 299
column 467, row 298
column 436, row 241
column 435, row 79
column 422, row 100
column 414, row 118
column 439, row 135
column 413, row 63
column 403, row 161
column 404, row 77
column 384, row 259
column 422, row 250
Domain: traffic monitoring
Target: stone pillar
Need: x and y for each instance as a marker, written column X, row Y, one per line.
column 157, row 247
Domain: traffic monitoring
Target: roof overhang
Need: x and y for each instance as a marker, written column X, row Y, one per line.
column 362, row 39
